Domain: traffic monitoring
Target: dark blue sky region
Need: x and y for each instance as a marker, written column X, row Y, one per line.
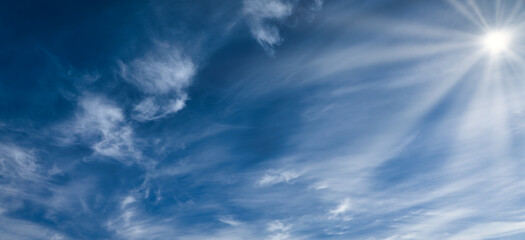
column 262, row 119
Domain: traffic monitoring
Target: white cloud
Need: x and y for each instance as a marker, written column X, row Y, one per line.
column 279, row 231
column 15, row 229
column 275, row 230
column 491, row 230
column 277, row 176
column 21, row 175
column 126, row 201
column 230, row 221
column 163, row 77
column 132, row 223
column 264, row 15
column 279, row 236
column 260, row 15
column 277, row 226
column 160, row 73
column 228, row 233
column 343, row 207
column 101, row 123
column 17, row 162
column 152, row 108
column 402, row 237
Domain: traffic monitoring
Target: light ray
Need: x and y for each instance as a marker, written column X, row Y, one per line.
column 415, row 29
column 369, row 55
column 476, row 10
column 498, row 12
column 513, row 14
column 466, row 13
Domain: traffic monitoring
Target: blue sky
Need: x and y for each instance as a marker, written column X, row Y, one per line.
column 262, row 119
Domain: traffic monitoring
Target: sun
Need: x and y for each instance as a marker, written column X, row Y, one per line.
column 497, row 41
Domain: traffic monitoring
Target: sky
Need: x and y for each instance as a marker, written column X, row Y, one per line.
column 262, row 119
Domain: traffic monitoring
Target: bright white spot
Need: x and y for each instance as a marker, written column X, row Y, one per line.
column 497, row 41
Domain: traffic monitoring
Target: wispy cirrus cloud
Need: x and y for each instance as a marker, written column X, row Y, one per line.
column 163, row 76
column 18, row 167
column 277, row 176
column 230, row 221
column 279, row 231
column 266, row 230
column 100, row 123
column 22, row 181
column 131, row 223
column 260, row 14
column 380, row 143
column 264, row 17
column 16, row 162
column 343, row 207
column 17, row 229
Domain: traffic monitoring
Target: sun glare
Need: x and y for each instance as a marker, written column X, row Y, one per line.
column 497, row 41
